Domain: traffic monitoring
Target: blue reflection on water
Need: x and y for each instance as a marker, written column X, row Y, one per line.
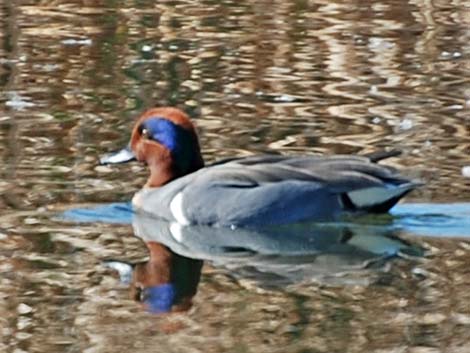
column 442, row 220
column 116, row 213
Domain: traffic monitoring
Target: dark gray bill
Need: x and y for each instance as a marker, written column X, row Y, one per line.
column 122, row 156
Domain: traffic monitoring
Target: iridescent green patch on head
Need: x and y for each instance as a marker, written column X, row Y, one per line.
column 179, row 141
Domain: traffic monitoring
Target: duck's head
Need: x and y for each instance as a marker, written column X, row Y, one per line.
column 166, row 140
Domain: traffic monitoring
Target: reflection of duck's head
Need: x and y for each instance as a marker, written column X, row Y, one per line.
column 167, row 282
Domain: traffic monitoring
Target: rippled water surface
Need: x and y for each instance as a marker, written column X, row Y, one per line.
column 256, row 76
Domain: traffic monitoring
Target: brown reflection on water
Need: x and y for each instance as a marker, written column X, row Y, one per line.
column 280, row 76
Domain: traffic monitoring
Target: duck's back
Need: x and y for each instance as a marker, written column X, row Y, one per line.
column 269, row 190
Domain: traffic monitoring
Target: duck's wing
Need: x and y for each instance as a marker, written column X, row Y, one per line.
column 259, row 191
column 373, row 157
column 340, row 173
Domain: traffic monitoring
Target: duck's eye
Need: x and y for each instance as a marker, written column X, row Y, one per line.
column 145, row 134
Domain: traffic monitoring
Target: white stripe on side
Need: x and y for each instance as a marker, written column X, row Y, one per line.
column 176, row 208
column 176, row 231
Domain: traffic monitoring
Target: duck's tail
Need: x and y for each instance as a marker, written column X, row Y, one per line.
column 375, row 157
column 377, row 199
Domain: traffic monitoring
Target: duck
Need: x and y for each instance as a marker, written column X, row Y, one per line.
column 253, row 191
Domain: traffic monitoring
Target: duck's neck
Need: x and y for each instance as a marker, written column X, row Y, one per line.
column 159, row 175
column 163, row 173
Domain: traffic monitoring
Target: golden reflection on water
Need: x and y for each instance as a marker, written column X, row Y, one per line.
column 309, row 77
column 57, row 295
column 280, row 76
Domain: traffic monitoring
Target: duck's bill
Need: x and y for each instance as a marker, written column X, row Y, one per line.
column 122, row 156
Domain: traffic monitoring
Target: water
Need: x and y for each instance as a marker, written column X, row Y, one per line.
column 280, row 76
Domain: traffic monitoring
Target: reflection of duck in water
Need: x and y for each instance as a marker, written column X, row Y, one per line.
column 272, row 256
column 253, row 191
column 167, row 281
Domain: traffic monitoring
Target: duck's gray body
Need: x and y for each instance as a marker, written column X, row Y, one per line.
column 269, row 190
